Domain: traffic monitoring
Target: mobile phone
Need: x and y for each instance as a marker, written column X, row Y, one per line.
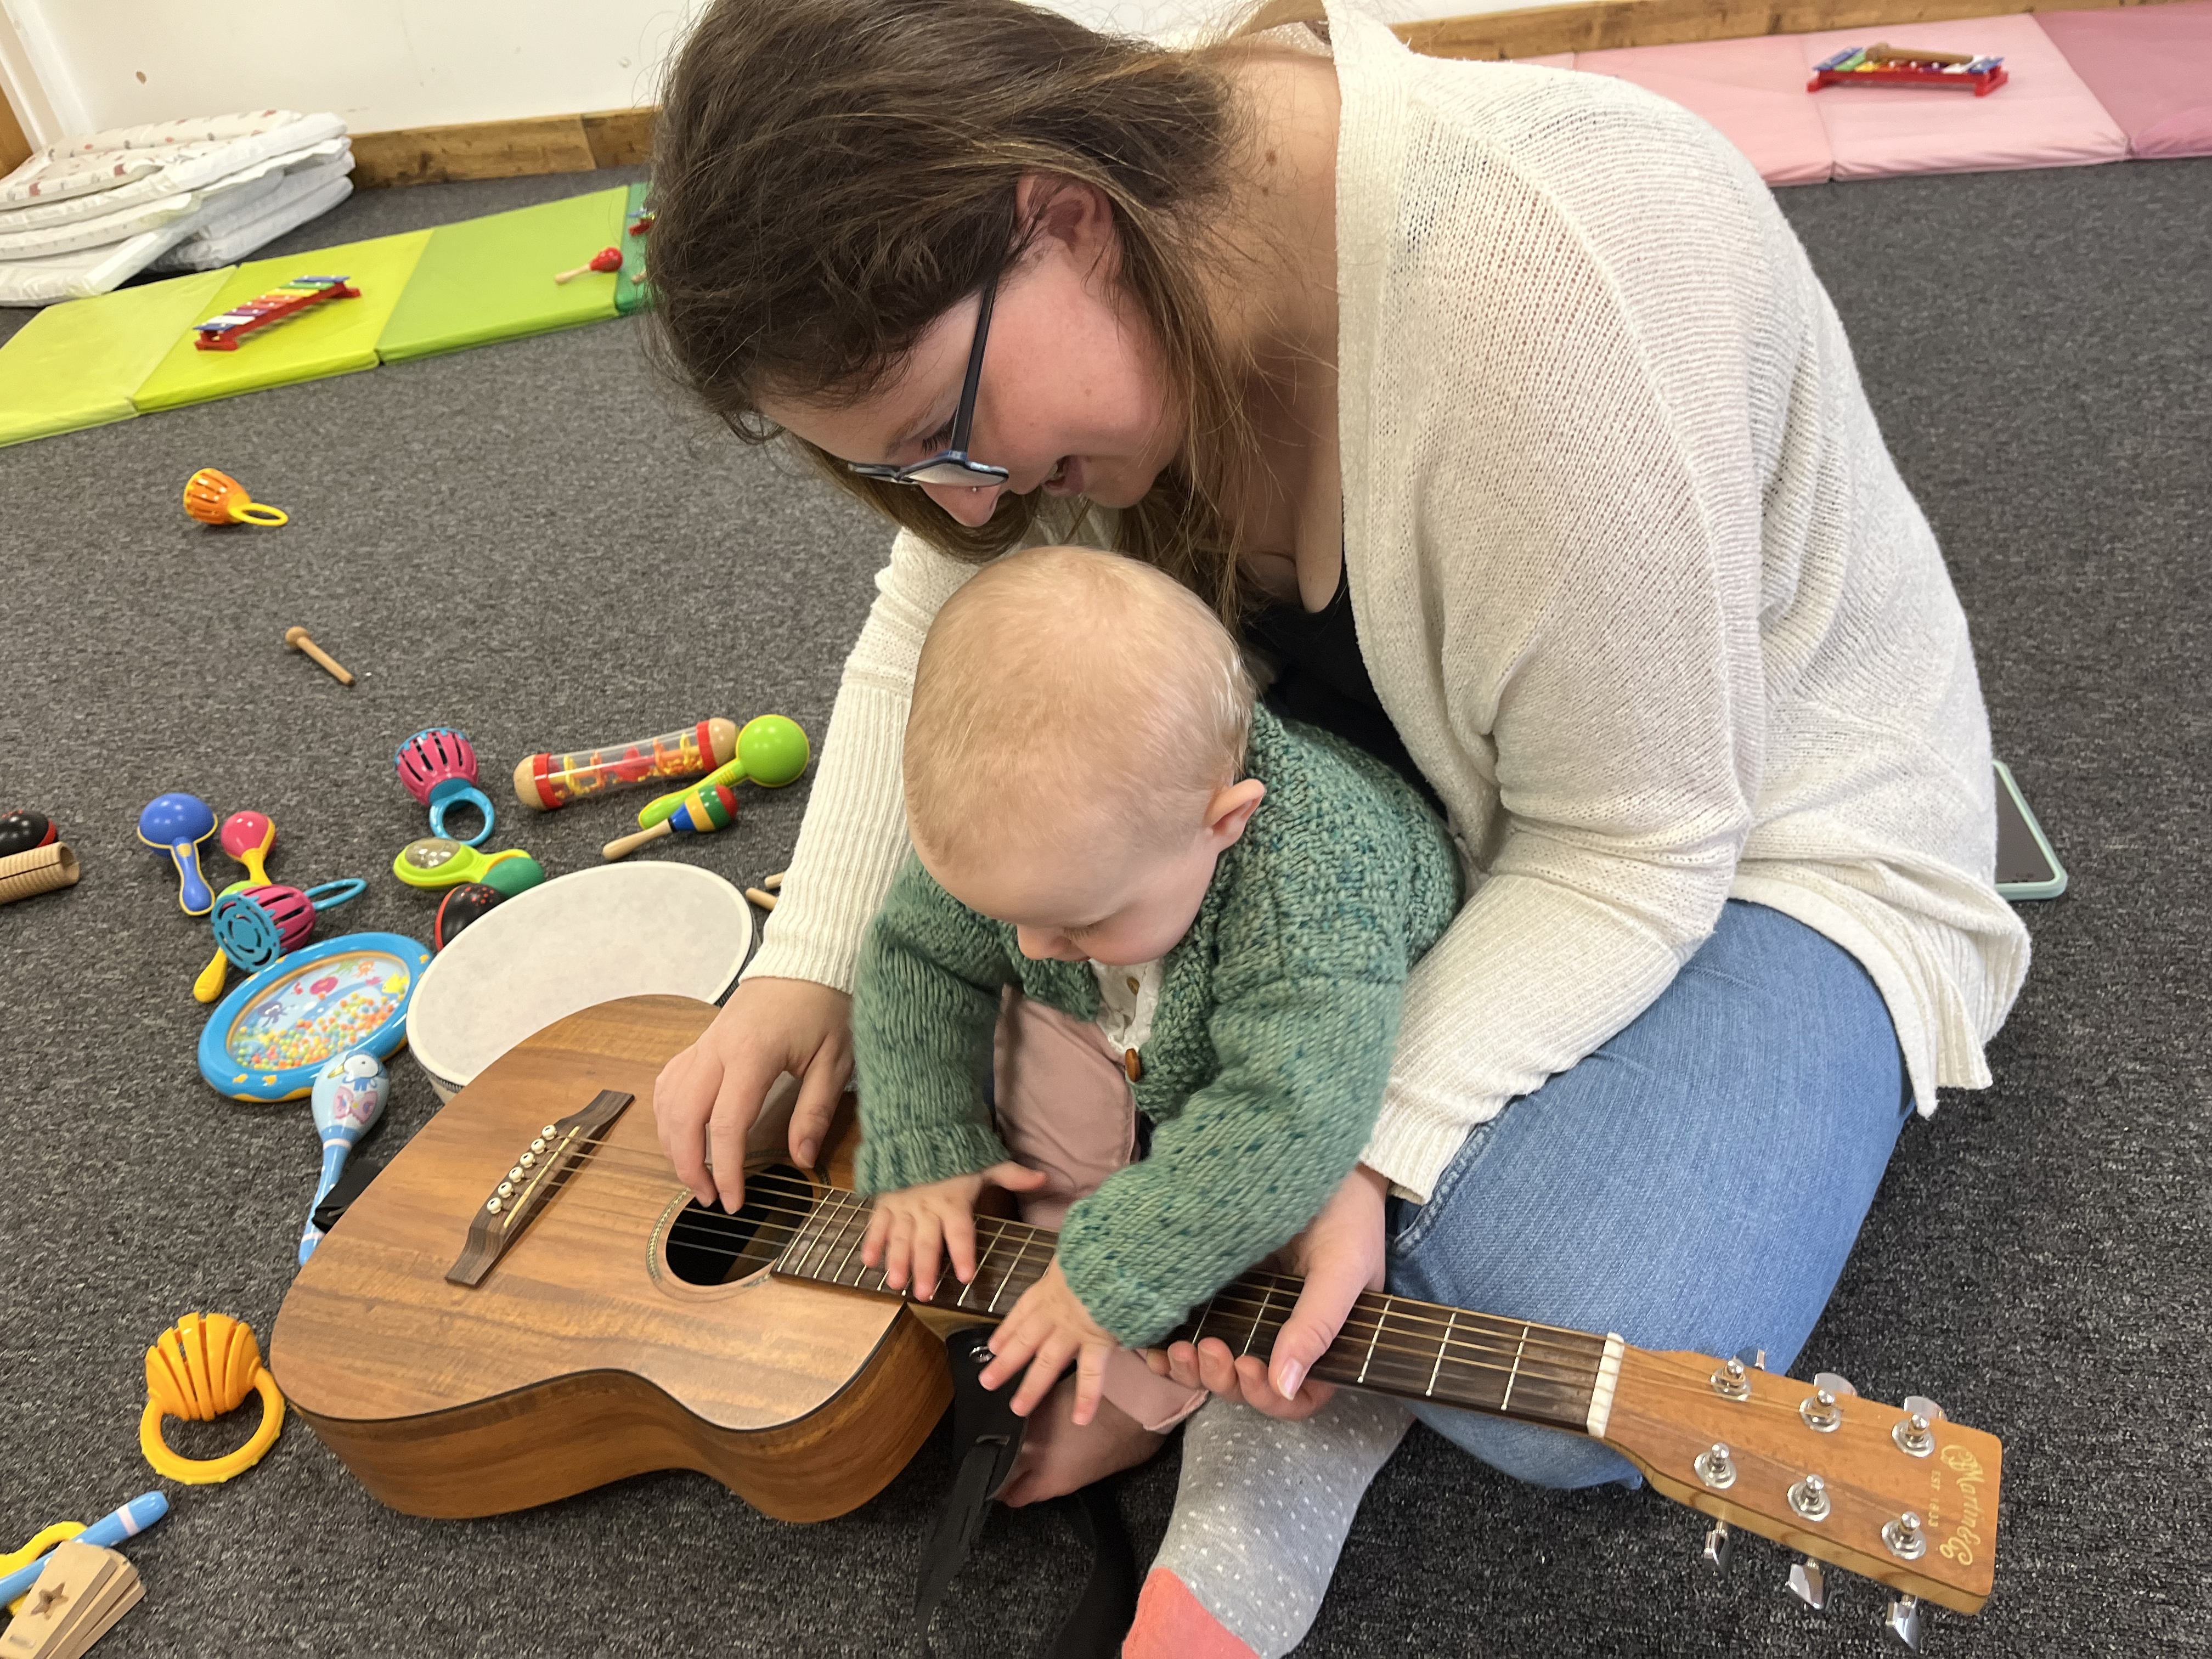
column 2026, row 867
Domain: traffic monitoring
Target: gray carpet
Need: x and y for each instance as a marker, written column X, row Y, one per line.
column 532, row 541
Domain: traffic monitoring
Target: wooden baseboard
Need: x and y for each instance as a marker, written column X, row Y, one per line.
column 503, row 150
column 623, row 137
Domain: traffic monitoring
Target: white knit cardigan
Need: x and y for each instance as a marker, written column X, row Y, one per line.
column 1635, row 579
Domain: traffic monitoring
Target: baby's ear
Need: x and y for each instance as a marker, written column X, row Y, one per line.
column 1232, row 808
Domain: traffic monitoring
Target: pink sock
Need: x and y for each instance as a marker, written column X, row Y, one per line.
column 1172, row 1624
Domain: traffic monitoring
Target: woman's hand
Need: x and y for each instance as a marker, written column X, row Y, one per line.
column 710, row 1095
column 1341, row 1254
column 1049, row 1327
column 910, row 1229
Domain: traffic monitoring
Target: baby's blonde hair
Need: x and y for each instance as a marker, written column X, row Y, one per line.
column 1062, row 676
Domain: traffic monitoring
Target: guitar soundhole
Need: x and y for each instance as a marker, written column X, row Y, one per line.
column 712, row 1247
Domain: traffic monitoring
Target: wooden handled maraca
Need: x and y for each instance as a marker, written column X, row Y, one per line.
column 246, row 837
column 771, row 751
column 606, row 260
column 701, row 812
column 177, row 824
column 349, row 1098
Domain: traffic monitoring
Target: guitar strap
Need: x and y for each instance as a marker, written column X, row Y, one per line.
column 987, row 1437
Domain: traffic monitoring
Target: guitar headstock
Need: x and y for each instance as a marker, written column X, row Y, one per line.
column 1906, row 1498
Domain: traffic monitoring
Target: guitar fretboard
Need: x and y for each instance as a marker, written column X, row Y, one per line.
column 1388, row 1344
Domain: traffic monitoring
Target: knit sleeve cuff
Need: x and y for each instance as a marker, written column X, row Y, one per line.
column 914, row 1158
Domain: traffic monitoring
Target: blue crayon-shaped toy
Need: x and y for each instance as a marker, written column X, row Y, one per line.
column 133, row 1518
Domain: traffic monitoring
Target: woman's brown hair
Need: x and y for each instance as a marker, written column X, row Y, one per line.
column 832, row 176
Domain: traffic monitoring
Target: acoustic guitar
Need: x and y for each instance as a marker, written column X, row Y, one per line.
column 527, row 1302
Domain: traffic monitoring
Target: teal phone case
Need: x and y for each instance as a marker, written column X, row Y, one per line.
column 2056, row 884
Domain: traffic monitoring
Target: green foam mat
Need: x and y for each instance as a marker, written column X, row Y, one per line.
column 490, row 279
column 76, row 364
column 631, row 293
column 335, row 337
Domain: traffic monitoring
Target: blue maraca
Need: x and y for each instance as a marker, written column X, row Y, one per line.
column 349, row 1098
column 178, row 823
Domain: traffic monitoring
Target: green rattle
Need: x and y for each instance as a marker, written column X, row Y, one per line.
column 771, row 751
column 435, row 861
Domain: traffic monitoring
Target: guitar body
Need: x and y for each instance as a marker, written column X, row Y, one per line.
column 581, row 1358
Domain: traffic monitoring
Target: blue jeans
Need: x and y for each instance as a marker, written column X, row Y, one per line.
column 1695, row 1183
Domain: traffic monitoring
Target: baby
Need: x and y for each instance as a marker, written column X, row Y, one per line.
column 1141, row 909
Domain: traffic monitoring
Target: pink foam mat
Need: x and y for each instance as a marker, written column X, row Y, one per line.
column 2043, row 117
column 2151, row 68
column 1753, row 90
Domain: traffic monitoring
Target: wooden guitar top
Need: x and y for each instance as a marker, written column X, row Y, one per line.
column 372, row 1333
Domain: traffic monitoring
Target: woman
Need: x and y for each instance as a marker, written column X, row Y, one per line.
column 1502, row 409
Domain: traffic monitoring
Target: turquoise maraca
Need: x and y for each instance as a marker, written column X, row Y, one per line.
column 349, row 1098
column 177, row 824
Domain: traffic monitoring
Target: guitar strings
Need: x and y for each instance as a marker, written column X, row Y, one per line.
column 815, row 1200
column 843, row 1208
column 1533, row 1368
column 1535, row 1371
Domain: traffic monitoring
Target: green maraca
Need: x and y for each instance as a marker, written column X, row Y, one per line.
column 771, row 751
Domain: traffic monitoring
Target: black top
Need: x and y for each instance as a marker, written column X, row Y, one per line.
column 1320, row 677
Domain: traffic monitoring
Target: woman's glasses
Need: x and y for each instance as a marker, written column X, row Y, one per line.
column 951, row 466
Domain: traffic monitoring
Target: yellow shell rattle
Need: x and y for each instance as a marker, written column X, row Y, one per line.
column 200, row 1368
column 214, row 497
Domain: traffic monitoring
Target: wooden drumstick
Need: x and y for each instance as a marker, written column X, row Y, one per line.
column 626, row 845
column 298, row 640
column 766, row 901
column 774, row 884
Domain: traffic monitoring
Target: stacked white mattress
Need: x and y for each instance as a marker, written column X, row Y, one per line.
column 81, row 217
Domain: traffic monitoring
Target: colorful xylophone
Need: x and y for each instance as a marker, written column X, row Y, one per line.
column 1884, row 65
column 222, row 333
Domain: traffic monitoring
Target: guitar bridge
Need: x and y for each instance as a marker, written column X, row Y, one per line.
column 522, row 1192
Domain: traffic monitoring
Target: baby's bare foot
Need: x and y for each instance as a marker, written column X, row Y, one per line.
column 1058, row 1458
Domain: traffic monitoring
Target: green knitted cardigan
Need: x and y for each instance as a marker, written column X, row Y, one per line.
column 1264, row 1070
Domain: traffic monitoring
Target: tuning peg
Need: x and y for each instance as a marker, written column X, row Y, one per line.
column 1835, row 1383
column 1808, row 1582
column 1754, row 1358
column 1720, row 1546
column 1919, row 1405
column 1904, row 1620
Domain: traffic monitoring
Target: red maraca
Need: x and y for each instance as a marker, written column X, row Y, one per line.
column 606, row 260
column 257, row 925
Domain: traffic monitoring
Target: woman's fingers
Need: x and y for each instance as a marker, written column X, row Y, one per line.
column 679, row 1114
column 1016, row 1177
column 1334, row 1280
column 745, row 1077
column 1011, row 1348
column 872, row 1242
column 819, row 1088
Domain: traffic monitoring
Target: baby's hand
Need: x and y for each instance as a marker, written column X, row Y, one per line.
column 911, row 1228
column 1049, row 1327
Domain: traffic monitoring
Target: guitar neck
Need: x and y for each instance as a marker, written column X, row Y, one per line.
column 1543, row 1374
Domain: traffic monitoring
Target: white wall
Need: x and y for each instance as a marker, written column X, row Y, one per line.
column 383, row 64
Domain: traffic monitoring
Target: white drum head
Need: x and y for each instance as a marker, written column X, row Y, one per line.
column 622, row 930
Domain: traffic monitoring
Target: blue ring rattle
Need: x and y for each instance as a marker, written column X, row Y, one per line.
column 438, row 767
